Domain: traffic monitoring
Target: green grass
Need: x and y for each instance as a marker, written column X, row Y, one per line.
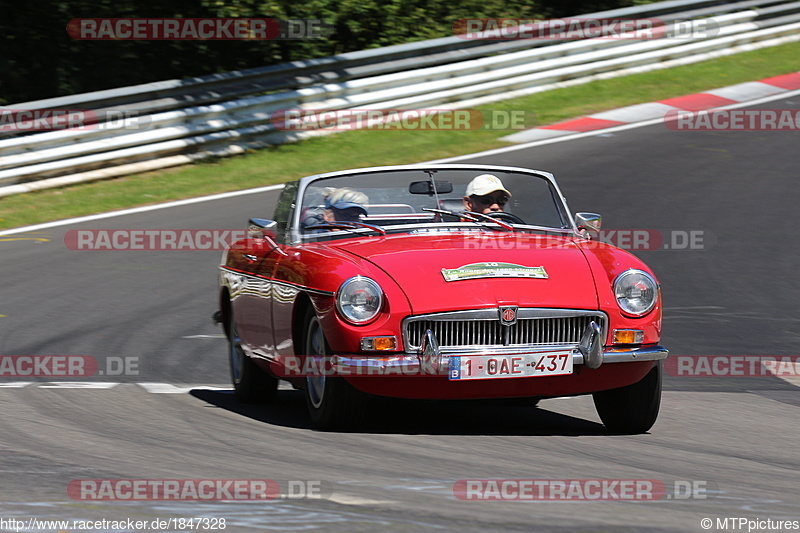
column 375, row 147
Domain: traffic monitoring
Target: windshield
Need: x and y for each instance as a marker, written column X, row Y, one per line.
column 394, row 199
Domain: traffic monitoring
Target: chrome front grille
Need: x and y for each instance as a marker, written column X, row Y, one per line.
column 479, row 329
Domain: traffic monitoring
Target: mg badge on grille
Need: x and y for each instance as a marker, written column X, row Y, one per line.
column 508, row 315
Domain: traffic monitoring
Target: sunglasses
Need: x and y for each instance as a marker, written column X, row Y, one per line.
column 500, row 199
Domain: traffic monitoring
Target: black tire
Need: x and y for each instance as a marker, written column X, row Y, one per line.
column 632, row 409
column 250, row 383
column 333, row 403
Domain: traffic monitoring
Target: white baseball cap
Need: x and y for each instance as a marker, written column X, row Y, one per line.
column 485, row 184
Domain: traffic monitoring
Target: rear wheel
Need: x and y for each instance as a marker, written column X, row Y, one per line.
column 332, row 402
column 634, row 408
column 251, row 383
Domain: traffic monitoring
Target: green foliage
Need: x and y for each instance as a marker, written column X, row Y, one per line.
column 39, row 60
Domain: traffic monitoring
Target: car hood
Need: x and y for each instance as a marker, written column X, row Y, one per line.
column 416, row 263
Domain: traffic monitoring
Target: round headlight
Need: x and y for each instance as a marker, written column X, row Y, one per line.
column 359, row 299
column 636, row 292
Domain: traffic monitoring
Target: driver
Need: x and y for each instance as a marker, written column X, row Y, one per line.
column 486, row 194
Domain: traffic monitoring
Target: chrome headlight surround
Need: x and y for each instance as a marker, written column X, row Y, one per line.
column 359, row 300
column 636, row 292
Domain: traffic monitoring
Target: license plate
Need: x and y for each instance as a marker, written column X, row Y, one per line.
column 545, row 363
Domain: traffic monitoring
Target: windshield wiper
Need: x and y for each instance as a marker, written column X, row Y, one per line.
column 347, row 225
column 472, row 217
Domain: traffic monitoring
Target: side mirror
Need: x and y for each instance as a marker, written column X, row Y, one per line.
column 262, row 228
column 588, row 222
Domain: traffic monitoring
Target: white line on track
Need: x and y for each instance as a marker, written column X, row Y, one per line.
column 78, row 385
column 167, row 388
column 614, row 129
column 142, row 209
column 346, row 499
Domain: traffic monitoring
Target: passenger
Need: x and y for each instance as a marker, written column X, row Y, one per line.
column 345, row 205
column 486, row 194
column 341, row 205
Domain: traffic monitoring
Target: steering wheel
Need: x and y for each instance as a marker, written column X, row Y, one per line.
column 506, row 217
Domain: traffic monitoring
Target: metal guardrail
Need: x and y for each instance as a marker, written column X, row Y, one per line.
column 173, row 94
column 235, row 115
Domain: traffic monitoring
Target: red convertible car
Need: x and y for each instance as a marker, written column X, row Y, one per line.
column 439, row 282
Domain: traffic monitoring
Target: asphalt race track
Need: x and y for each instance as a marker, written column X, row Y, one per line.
column 733, row 438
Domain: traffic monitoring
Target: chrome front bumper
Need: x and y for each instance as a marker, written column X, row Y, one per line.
column 433, row 363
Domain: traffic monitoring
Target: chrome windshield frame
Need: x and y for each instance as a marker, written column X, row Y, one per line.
column 296, row 236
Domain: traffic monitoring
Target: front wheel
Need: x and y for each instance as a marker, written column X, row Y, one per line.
column 332, row 402
column 634, row 408
column 250, row 383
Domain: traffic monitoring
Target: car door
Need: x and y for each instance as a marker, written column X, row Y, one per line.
column 250, row 289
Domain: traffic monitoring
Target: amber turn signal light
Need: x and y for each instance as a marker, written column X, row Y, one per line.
column 379, row 344
column 628, row 336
